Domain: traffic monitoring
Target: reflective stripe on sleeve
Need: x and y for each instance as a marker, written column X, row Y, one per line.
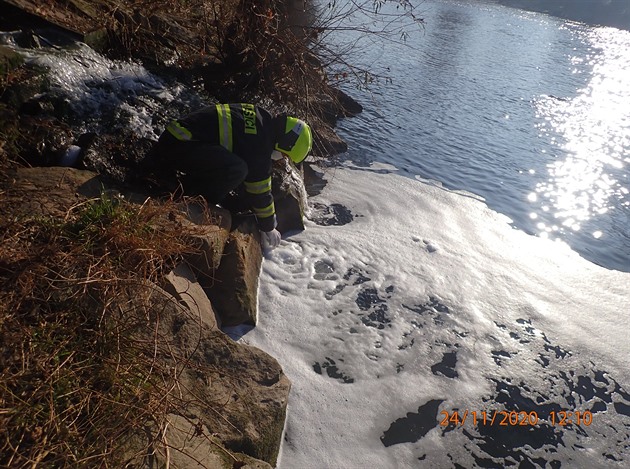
column 265, row 212
column 258, row 187
column 225, row 126
column 179, row 132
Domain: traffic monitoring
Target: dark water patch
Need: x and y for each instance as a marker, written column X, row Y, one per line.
column 599, row 377
column 433, row 309
column 368, row 298
column 331, row 215
column 543, row 360
column 407, row 345
column 619, row 390
column 413, row 309
column 588, row 390
column 447, row 366
column 433, row 306
column 518, row 338
column 461, row 335
column 554, row 418
column 377, row 318
column 357, row 275
column 512, row 398
column 499, row 355
column 529, row 330
column 332, row 371
column 324, row 270
column 560, row 353
column 622, row 408
column 413, row 426
column 509, row 442
column 580, row 389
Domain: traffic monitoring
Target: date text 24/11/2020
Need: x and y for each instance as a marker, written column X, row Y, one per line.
column 514, row 418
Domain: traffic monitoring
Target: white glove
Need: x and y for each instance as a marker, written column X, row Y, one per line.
column 271, row 239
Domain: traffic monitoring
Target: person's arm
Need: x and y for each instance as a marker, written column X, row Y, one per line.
column 261, row 201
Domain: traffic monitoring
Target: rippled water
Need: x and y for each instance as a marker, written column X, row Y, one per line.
column 525, row 110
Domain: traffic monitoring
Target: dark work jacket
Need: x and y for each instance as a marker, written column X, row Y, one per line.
column 253, row 139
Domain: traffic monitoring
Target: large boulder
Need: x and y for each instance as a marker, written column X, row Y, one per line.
column 234, row 292
column 236, row 394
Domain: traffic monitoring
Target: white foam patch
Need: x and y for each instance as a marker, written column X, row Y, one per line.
column 359, row 314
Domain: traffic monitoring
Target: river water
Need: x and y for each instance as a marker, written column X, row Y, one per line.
column 525, row 110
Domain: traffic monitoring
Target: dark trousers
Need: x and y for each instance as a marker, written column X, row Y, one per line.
column 208, row 170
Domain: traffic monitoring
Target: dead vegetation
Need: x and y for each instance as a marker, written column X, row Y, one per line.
column 82, row 369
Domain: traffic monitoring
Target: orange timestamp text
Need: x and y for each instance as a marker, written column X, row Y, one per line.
column 514, row 418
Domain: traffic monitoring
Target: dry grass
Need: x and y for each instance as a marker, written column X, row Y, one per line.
column 78, row 377
column 237, row 47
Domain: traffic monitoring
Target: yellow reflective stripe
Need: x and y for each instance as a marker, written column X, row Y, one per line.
column 258, row 187
column 225, row 126
column 249, row 118
column 266, row 212
column 178, row 131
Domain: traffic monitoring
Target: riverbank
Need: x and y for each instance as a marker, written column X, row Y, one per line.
column 112, row 300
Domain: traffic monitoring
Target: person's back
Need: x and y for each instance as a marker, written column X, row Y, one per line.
column 217, row 148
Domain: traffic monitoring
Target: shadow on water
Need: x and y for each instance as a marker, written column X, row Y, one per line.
column 413, row 426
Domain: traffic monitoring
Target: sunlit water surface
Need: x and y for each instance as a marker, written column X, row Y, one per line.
column 526, row 110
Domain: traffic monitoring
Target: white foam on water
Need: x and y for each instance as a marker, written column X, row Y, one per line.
column 360, row 315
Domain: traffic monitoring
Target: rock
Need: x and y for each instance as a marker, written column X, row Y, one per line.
column 116, row 156
column 237, row 392
column 182, row 284
column 326, row 142
column 234, row 294
column 334, row 104
column 183, row 442
column 210, row 234
column 314, row 181
column 49, row 192
column 349, row 106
